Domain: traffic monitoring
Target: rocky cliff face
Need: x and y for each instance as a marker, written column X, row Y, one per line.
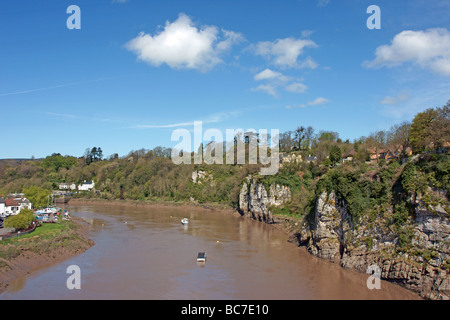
column 255, row 201
column 331, row 235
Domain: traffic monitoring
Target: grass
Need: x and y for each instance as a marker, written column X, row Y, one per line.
column 42, row 241
column 47, row 230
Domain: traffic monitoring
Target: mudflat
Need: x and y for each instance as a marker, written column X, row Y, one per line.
column 23, row 255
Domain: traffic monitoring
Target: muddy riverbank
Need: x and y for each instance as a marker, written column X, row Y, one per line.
column 23, row 255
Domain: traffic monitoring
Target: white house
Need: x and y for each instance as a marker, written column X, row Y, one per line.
column 12, row 206
column 67, row 186
column 86, row 186
column 2, row 207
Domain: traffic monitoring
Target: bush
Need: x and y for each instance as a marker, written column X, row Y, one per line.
column 20, row 221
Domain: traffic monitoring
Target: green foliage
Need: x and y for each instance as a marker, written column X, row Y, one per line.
column 436, row 169
column 93, row 155
column 335, row 155
column 57, row 161
column 20, row 221
column 430, row 129
column 359, row 192
column 39, row 197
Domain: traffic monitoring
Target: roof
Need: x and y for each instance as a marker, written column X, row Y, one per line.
column 22, row 200
column 11, row 203
column 349, row 153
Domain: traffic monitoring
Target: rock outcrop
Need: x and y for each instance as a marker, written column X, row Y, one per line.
column 332, row 235
column 255, row 201
column 200, row 176
column 331, row 225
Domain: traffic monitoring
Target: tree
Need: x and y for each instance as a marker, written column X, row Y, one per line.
column 38, row 197
column 57, row 161
column 299, row 136
column 377, row 140
column 439, row 129
column 87, row 156
column 335, row 155
column 398, row 136
column 328, row 136
column 93, row 155
column 309, row 135
column 420, row 129
column 20, row 221
column 286, row 141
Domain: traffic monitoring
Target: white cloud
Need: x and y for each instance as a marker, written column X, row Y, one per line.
column 307, row 33
column 394, row 100
column 430, row 49
column 274, row 80
column 54, row 87
column 270, row 74
column 308, row 63
column 182, row 45
column 213, row 118
column 296, row 87
column 284, row 52
column 296, row 106
column 318, row 101
column 268, row 88
column 63, row 115
column 315, row 102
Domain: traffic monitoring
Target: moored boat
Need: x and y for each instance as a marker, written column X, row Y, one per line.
column 184, row 221
column 48, row 210
column 201, row 257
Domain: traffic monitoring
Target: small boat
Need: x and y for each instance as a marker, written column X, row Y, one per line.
column 201, row 257
column 48, row 210
column 184, row 221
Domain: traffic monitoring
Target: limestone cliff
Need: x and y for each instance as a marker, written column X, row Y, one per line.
column 331, row 234
column 255, row 200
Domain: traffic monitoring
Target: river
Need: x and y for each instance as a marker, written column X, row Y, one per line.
column 146, row 253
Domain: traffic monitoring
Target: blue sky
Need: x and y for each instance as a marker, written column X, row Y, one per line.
column 137, row 70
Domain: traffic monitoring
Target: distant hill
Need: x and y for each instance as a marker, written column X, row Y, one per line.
column 15, row 162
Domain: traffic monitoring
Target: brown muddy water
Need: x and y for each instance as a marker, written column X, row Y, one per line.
column 146, row 253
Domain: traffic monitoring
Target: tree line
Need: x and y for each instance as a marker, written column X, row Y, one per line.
column 150, row 173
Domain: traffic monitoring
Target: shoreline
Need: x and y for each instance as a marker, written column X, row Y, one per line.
column 35, row 257
column 27, row 263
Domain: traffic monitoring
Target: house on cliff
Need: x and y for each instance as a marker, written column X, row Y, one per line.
column 349, row 156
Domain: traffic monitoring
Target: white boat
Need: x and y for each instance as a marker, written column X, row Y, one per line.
column 48, row 210
column 201, row 257
column 184, row 221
